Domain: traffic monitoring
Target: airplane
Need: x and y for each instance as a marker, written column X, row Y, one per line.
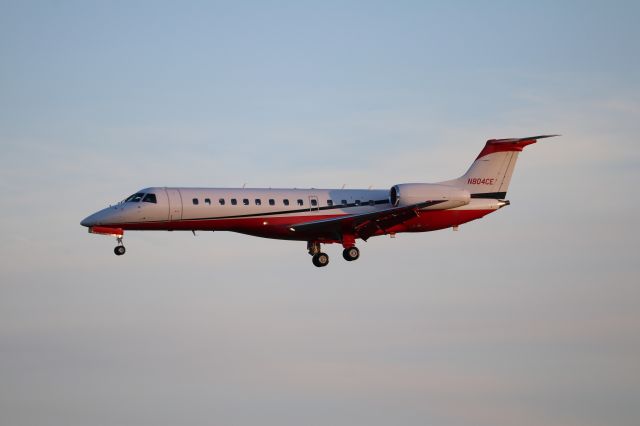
column 321, row 216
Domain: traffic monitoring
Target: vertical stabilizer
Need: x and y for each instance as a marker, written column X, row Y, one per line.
column 490, row 173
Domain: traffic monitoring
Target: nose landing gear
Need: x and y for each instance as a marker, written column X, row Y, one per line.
column 119, row 250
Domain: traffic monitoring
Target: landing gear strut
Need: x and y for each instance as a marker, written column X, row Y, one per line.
column 119, row 250
column 319, row 259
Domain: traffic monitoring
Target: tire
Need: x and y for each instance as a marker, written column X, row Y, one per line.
column 351, row 253
column 320, row 260
column 119, row 250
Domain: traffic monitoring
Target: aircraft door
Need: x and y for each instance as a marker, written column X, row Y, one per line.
column 175, row 204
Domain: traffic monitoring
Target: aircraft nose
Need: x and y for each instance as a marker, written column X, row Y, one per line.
column 88, row 221
column 109, row 215
column 93, row 219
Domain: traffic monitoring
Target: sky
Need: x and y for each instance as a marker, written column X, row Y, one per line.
column 529, row 316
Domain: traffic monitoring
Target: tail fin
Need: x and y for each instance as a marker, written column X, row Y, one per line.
column 490, row 173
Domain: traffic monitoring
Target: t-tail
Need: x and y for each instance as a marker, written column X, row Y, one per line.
column 490, row 173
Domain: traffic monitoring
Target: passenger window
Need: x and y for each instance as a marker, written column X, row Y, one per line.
column 372, row 203
column 330, row 203
column 258, row 202
column 195, row 201
column 314, row 202
column 285, row 202
column 300, row 202
column 207, row 201
column 150, row 198
column 245, row 201
column 221, row 201
column 344, row 202
column 234, row 201
column 272, row 202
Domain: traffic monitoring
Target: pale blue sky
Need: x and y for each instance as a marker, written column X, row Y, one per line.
column 529, row 316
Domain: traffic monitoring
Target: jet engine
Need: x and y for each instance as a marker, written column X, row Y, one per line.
column 406, row 194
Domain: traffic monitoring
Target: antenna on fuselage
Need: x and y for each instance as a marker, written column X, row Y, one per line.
column 343, row 185
column 244, row 184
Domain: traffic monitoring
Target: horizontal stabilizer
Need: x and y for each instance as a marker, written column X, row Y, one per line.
column 521, row 139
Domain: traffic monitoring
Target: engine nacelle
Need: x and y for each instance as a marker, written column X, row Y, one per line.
column 406, row 194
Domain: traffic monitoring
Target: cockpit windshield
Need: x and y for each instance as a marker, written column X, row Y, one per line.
column 150, row 198
column 134, row 198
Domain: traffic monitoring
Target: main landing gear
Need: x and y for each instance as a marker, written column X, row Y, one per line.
column 351, row 253
column 321, row 259
column 119, row 250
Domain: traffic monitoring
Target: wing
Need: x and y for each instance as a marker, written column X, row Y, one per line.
column 362, row 225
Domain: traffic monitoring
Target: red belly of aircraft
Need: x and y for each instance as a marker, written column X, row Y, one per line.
column 278, row 227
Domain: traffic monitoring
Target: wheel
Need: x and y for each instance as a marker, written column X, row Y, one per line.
column 320, row 259
column 351, row 253
column 119, row 250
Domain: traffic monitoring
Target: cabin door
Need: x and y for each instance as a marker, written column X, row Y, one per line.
column 175, row 204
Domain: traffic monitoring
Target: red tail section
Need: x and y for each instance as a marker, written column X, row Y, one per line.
column 505, row 145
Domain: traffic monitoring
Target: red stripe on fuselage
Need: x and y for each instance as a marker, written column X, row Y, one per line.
column 278, row 227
